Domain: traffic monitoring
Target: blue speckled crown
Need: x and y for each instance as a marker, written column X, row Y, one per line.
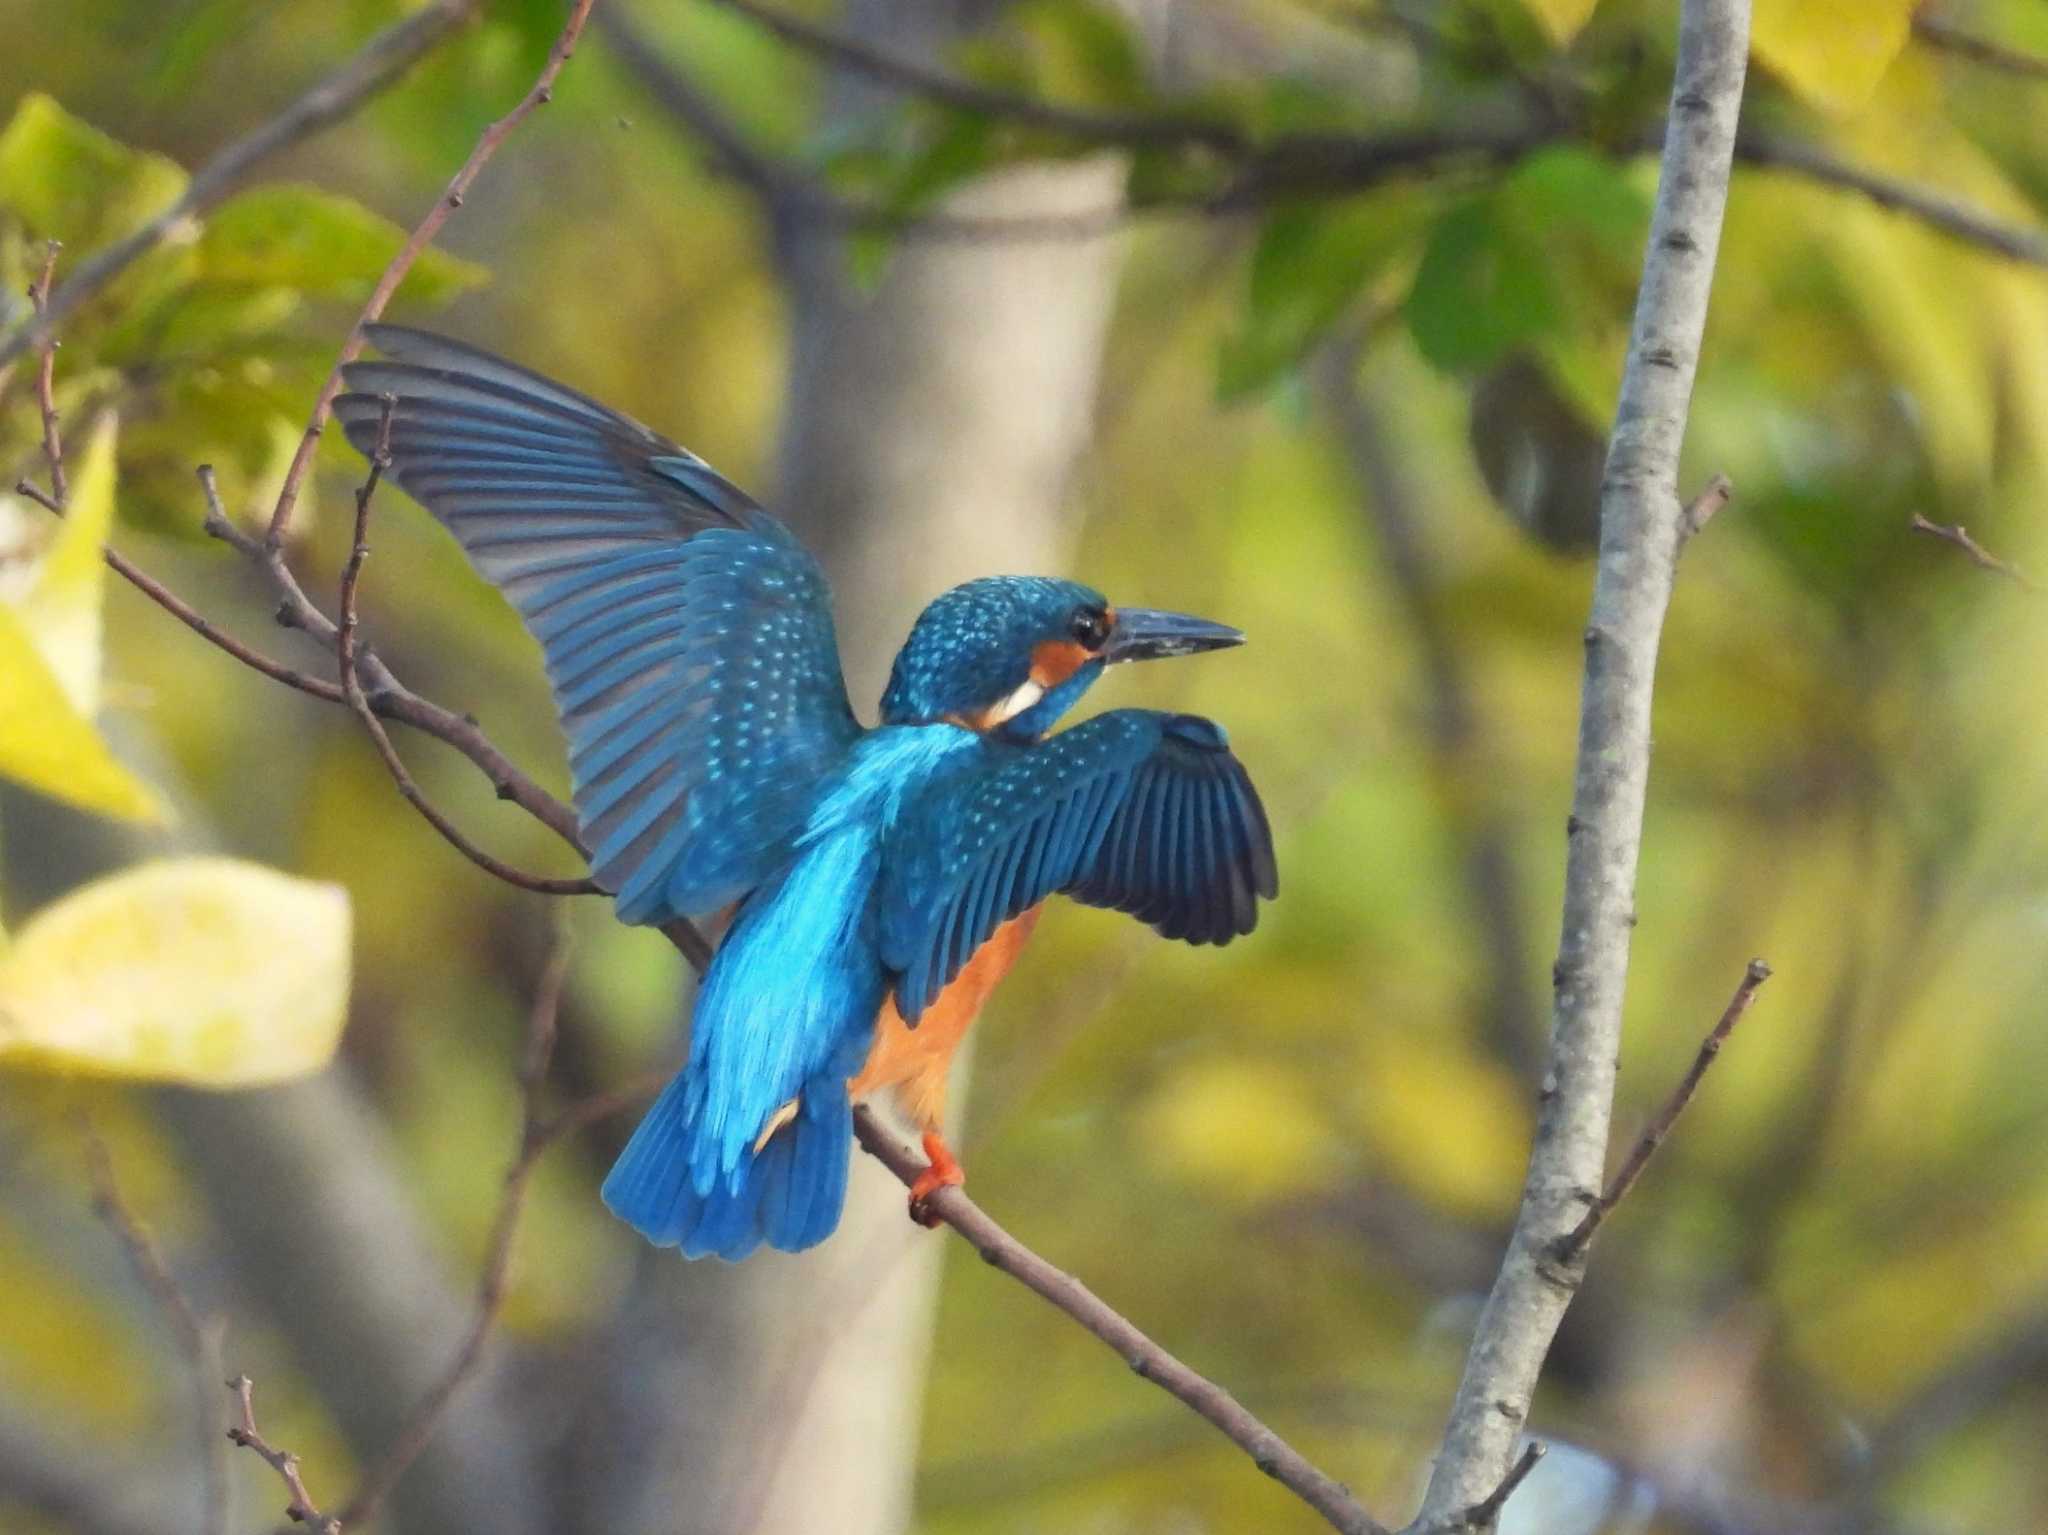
column 973, row 644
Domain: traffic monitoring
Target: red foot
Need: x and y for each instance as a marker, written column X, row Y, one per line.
column 944, row 1173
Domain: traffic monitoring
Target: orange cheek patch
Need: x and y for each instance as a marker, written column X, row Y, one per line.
column 1055, row 661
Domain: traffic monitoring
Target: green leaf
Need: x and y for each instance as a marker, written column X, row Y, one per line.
column 1551, row 255
column 1085, row 52
column 294, row 236
column 48, row 745
column 207, row 971
column 1311, row 262
column 68, row 181
column 1479, row 292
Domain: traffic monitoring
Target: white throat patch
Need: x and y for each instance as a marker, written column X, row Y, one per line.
column 1009, row 708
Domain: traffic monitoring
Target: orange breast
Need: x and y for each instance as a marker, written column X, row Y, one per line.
column 914, row 1061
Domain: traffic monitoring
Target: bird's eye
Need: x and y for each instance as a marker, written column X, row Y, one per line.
column 1091, row 628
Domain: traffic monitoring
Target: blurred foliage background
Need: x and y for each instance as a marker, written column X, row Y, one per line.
column 1361, row 419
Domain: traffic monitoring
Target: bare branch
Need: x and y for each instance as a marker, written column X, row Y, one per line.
column 379, row 63
column 1658, row 1128
column 299, row 1508
column 541, row 92
column 1640, row 533
column 1937, row 33
column 200, row 1342
column 1981, row 557
column 1146, row 1359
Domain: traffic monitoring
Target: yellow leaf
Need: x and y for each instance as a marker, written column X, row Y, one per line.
column 61, row 606
column 1561, row 19
column 207, row 971
column 48, row 745
column 1832, row 52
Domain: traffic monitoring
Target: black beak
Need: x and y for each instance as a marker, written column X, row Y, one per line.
column 1146, row 634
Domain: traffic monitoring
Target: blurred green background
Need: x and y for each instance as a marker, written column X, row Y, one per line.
column 1362, row 422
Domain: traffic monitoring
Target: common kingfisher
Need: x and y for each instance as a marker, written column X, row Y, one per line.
column 881, row 881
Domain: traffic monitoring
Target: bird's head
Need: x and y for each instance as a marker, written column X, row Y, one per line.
column 1008, row 655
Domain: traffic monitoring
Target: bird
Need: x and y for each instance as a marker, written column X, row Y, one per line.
column 881, row 880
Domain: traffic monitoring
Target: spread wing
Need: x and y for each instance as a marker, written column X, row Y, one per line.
column 688, row 636
column 1138, row 811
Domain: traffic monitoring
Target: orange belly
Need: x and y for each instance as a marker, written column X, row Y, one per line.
column 914, row 1061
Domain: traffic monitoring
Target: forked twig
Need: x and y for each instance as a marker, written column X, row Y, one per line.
column 299, row 1507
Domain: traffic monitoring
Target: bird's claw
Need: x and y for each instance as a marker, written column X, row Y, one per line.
column 943, row 1173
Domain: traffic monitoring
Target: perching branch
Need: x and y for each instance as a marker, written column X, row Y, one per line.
column 1269, row 1451
column 1979, row 556
column 1658, row 1128
column 378, row 64
column 538, row 94
column 299, row 1507
column 1146, row 1359
column 1640, row 534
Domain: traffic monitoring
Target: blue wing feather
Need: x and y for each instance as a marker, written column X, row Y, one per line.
column 1141, row 812
column 688, row 636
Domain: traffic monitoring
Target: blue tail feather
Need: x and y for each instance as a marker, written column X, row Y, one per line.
column 788, row 1195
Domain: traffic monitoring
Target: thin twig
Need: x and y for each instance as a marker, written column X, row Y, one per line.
column 300, row 1507
column 1981, row 557
column 37, row 494
column 46, row 379
column 1146, row 1359
column 1978, row 50
column 536, row 1133
column 378, row 64
column 538, row 94
column 200, row 1342
column 213, row 634
column 359, row 702
column 1481, row 1515
column 1658, row 1128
